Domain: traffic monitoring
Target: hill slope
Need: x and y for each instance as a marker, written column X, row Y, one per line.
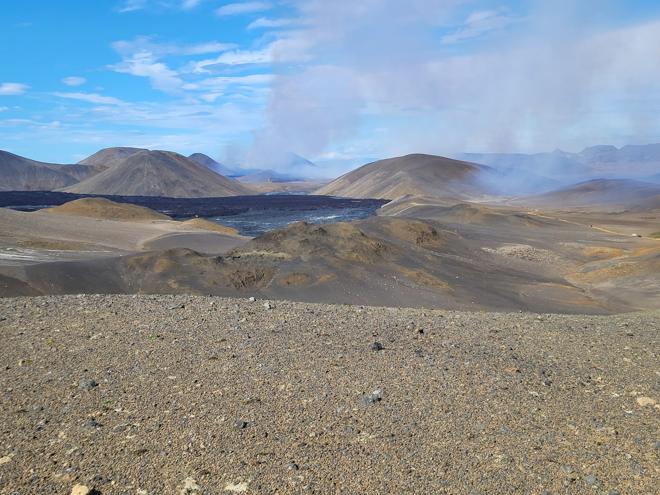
column 109, row 157
column 105, row 209
column 22, row 174
column 212, row 164
column 416, row 175
column 602, row 193
column 159, row 173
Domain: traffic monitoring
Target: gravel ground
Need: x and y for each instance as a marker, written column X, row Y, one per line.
column 196, row 395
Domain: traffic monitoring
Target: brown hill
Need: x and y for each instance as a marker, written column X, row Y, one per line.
column 22, row 174
column 159, row 173
column 416, row 175
column 109, row 157
column 108, row 210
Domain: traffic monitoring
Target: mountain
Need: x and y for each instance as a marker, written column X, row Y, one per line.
column 601, row 193
column 602, row 161
column 210, row 163
column 417, row 175
column 159, row 173
column 22, row 174
column 109, row 157
column 258, row 176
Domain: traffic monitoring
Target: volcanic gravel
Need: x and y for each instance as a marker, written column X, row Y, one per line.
column 197, row 395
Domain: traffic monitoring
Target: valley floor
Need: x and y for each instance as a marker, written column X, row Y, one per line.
column 200, row 395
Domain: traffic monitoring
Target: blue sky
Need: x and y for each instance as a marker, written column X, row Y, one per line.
column 339, row 82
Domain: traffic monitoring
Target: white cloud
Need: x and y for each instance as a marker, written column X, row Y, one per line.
column 132, row 6
column 135, row 5
column 235, row 57
column 479, row 23
column 221, row 83
column 144, row 64
column 127, row 48
column 243, row 8
column 74, row 81
column 266, row 23
column 4, row 109
column 190, row 4
column 12, row 88
column 91, row 98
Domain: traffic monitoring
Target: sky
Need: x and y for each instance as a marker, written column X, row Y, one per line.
column 339, row 82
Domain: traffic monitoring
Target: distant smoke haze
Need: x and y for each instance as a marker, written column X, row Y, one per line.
column 379, row 78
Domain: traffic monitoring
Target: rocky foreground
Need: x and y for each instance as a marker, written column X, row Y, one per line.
column 196, row 395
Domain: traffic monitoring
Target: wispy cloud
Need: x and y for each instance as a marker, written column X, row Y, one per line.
column 141, row 57
column 12, row 88
column 234, row 57
column 132, row 6
column 478, row 24
column 74, row 81
column 143, row 44
column 135, row 5
column 266, row 23
column 240, row 8
column 91, row 98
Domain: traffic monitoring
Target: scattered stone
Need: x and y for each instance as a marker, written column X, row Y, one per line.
column 268, row 305
column 645, row 401
column 591, row 480
column 189, row 487
column 614, row 492
column 240, row 424
column 87, row 384
column 372, row 398
column 292, row 466
column 252, row 299
column 5, row 460
column 376, row 346
column 91, row 424
column 178, row 306
column 80, row 490
column 241, row 487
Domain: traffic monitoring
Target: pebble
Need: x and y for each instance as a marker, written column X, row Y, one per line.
column 91, row 424
column 376, row 346
column 268, row 305
column 237, row 487
column 372, row 398
column 252, row 299
column 189, row 487
column 240, row 424
column 645, row 401
column 591, row 480
column 87, row 384
column 80, row 490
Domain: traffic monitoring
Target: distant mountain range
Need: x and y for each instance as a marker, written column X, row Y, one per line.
column 156, row 173
column 141, row 172
column 547, row 171
column 253, row 175
column 22, row 174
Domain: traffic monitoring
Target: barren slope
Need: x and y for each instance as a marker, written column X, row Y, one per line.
column 22, row 174
column 159, row 173
column 411, row 175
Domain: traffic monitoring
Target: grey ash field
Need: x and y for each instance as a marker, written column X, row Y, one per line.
column 198, row 395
